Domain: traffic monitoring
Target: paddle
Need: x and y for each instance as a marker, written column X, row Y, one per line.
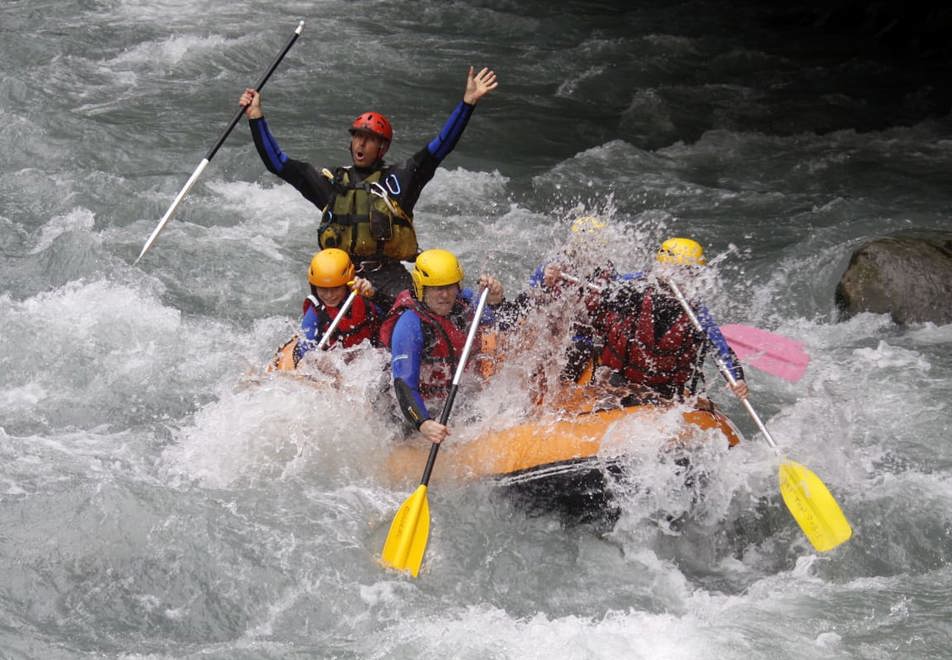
column 763, row 350
column 284, row 359
column 410, row 528
column 808, row 499
column 211, row 153
column 337, row 319
column 767, row 351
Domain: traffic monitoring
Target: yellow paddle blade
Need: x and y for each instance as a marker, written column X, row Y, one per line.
column 409, row 532
column 813, row 507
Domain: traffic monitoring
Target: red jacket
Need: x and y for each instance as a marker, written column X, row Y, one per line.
column 443, row 340
column 361, row 322
column 664, row 362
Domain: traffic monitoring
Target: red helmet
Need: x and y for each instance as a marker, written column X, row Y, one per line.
column 375, row 123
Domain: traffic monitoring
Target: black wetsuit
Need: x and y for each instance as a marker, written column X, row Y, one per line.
column 389, row 277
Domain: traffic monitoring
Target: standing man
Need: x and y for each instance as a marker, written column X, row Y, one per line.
column 367, row 207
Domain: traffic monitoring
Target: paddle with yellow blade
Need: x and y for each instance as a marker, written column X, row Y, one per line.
column 808, row 499
column 410, row 528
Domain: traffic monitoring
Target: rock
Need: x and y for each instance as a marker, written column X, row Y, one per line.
column 909, row 277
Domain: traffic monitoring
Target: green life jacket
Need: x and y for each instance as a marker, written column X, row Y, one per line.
column 364, row 220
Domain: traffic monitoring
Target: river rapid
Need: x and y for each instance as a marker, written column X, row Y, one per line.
column 162, row 497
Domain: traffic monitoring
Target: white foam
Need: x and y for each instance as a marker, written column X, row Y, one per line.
column 465, row 191
column 930, row 334
column 76, row 219
column 614, row 635
column 568, row 87
column 27, row 395
column 169, row 51
column 275, row 426
column 123, row 344
column 886, row 356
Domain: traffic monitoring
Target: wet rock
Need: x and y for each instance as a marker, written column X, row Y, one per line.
column 909, row 277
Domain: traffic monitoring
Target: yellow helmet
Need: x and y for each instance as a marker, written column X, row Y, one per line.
column 587, row 224
column 435, row 268
column 681, row 251
column 329, row 268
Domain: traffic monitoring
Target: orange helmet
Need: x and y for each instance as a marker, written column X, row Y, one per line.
column 330, row 268
column 374, row 123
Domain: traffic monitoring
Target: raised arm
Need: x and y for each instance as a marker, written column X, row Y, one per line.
column 269, row 151
column 300, row 174
column 477, row 86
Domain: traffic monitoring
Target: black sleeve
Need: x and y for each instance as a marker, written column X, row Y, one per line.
column 308, row 181
column 696, row 383
column 300, row 174
column 408, row 404
column 412, row 176
column 580, row 353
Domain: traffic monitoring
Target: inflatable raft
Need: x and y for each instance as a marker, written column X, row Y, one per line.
column 562, row 461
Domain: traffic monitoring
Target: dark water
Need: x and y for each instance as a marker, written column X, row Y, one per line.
column 158, row 501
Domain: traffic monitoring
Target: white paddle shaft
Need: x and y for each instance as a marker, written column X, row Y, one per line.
column 337, row 319
column 720, row 363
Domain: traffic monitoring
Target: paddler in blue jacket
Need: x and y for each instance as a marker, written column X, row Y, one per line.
column 367, row 207
column 426, row 330
column 331, row 276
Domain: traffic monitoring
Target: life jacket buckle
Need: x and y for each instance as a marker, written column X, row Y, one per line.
column 375, row 188
column 369, row 266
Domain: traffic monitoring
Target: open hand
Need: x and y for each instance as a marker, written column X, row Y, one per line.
column 477, row 86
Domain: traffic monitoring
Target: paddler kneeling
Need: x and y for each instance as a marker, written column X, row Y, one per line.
column 426, row 331
column 331, row 276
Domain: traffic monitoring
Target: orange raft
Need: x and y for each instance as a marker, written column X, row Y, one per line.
column 564, row 461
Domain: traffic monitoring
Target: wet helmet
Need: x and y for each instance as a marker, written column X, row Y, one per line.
column 587, row 224
column 374, row 123
column 681, row 251
column 435, row 268
column 330, row 268
column 587, row 238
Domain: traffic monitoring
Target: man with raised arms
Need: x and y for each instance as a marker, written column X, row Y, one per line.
column 367, row 207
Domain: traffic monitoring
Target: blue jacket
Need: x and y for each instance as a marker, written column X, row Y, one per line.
column 407, row 346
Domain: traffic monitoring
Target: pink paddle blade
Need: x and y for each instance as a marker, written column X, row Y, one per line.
column 767, row 351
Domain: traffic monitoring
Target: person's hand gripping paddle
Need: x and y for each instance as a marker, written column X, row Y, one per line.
column 410, row 530
column 211, row 152
column 765, row 351
column 807, row 498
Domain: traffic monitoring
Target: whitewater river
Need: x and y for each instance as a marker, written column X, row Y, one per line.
column 160, row 497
